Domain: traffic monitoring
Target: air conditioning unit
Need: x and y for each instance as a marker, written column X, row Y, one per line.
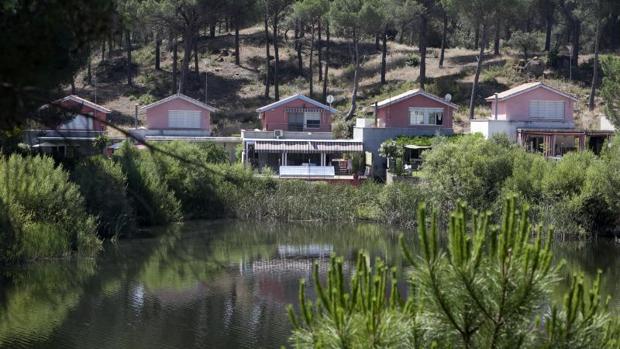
column 278, row 134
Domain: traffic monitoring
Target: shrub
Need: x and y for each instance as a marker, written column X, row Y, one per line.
column 153, row 201
column 467, row 168
column 525, row 41
column 413, row 60
column 43, row 212
column 104, row 187
column 185, row 169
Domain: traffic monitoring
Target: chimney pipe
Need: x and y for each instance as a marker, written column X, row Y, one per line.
column 496, row 107
column 375, row 112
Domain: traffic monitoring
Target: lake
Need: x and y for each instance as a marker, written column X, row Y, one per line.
column 222, row 284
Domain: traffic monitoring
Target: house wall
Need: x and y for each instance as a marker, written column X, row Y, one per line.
column 157, row 116
column 277, row 118
column 99, row 117
column 397, row 114
column 517, row 108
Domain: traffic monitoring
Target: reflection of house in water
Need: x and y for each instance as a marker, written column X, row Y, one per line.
column 312, row 250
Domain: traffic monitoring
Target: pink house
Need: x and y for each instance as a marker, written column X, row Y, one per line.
column 533, row 102
column 536, row 116
column 296, row 113
column 415, row 109
column 89, row 116
column 179, row 114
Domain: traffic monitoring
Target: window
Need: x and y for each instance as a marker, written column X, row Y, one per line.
column 312, row 119
column 79, row 122
column 425, row 116
column 183, row 119
column 546, row 109
column 296, row 121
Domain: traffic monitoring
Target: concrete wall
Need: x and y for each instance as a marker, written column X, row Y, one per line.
column 517, row 107
column 249, row 134
column 277, row 118
column 157, row 116
column 606, row 125
column 397, row 114
column 373, row 137
column 489, row 128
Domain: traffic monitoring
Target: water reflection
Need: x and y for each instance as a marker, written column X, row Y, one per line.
column 203, row 285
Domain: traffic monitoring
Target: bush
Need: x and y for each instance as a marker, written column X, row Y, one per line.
column 103, row 186
column 153, row 201
column 42, row 211
column 413, row 60
column 467, row 168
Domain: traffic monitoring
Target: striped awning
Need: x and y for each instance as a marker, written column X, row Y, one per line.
column 309, row 146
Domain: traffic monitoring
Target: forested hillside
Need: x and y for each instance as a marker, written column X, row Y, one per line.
column 255, row 51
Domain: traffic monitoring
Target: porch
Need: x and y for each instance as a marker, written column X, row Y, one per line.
column 302, row 158
column 552, row 142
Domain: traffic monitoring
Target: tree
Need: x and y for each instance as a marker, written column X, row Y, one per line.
column 488, row 288
column 130, row 19
column 311, row 12
column 610, row 88
column 276, row 10
column 479, row 12
column 354, row 18
column 524, row 41
column 241, row 12
column 44, row 43
column 598, row 12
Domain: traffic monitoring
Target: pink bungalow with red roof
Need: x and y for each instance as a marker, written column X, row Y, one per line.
column 296, row 113
column 179, row 114
column 415, row 109
column 89, row 116
column 538, row 117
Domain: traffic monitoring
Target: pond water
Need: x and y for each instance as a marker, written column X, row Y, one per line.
column 204, row 285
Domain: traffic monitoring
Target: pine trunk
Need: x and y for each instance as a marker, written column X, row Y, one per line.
column 355, row 78
column 157, row 52
column 422, row 45
column 175, row 59
column 187, row 53
column 444, row 38
column 384, row 56
column 474, row 87
column 298, row 46
column 237, row 53
column 548, row 30
column 591, row 104
column 310, row 62
column 196, row 67
column 103, row 51
column 326, row 72
column 498, row 31
column 128, row 48
column 267, row 63
column 320, row 53
column 276, row 82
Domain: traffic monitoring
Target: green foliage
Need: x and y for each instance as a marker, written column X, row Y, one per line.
column 42, row 211
column 485, row 289
column 55, row 30
column 526, row 42
column 153, row 201
column 390, row 149
column 413, row 60
column 104, row 188
column 610, row 88
column 468, row 168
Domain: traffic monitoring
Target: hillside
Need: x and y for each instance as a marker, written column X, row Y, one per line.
column 238, row 90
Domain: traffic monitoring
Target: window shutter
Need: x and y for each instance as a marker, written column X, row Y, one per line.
column 183, row 119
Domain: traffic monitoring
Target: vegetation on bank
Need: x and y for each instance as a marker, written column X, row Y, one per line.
column 49, row 211
column 488, row 288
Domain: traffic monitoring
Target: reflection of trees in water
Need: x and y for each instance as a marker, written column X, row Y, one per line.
column 205, row 284
column 37, row 298
column 587, row 258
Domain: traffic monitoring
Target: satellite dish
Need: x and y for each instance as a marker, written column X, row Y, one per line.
column 330, row 99
column 448, row 97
